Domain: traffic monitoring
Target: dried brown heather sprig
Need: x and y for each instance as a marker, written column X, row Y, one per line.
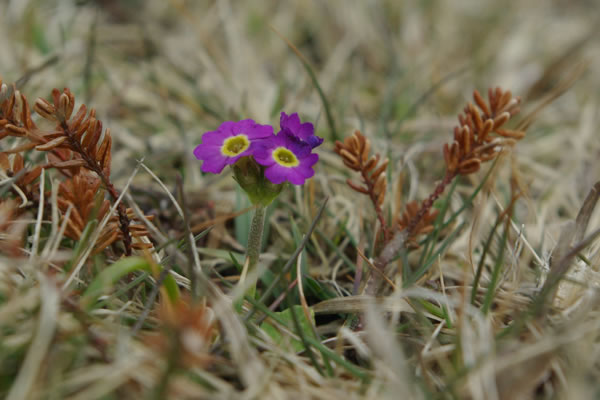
column 474, row 143
column 355, row 154
column 15, row 115
column 479, row 137
column 81, row 193
column 81, row 135
column 11, row 229
column 77, row 141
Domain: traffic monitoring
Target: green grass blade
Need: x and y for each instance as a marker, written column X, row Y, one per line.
column 303, row 336
column 112, row 274
column 439, row 224
column 336, row 249
column 424, row 267
column 333, row 356
column 486, row 248
column 489, row 295
column 315, row 82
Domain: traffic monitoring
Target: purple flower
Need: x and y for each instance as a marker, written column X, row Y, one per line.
column 286, row 158
column 291, row 125
column 229, row 143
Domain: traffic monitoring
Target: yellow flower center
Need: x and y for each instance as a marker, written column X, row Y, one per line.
column 235, row 145
column 283, row 156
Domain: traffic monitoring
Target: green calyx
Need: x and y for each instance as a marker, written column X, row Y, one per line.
column 250, row 176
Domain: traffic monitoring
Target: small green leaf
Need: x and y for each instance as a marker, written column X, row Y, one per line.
column 285, row 316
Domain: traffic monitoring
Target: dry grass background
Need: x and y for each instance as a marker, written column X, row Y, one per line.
column 162, row 72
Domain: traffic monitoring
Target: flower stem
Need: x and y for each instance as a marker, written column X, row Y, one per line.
column 254, row 245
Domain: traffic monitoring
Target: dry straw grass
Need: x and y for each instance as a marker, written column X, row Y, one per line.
column 453, row 264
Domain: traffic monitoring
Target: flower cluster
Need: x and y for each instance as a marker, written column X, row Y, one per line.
column 257, row 153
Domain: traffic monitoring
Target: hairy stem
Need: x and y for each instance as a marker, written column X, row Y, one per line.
column 254, row 244
column 92, row 165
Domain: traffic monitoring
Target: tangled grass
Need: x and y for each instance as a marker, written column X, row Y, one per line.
column 495, row 298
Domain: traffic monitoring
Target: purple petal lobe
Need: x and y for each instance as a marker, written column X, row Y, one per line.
column 276, row 173
column 300, row 148
column 202, row 152
column 289, row 122
column 305, row 131
column 215, row 138
column 214, row 165
column 291, row 125
column 314, row 141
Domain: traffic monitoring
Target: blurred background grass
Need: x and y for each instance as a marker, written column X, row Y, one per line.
column 162, row 72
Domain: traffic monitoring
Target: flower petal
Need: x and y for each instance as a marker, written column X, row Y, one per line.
column 314, row 141
column 291, row 125
column 276, row 173
column 215, row 138
column 214, row 165
column 300, row 148
column 203, row 152
column 295, row 177
column 305, row 167
column 260, row 132
column 264, row 157
column 262, row 152
column 228, row 128
column 289, row 122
